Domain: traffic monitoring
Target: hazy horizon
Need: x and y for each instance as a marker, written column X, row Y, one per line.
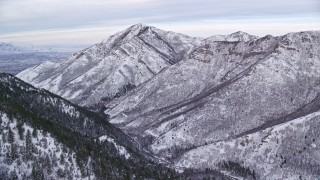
column 73, row 23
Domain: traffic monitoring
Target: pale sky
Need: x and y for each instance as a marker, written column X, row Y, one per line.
column 85, row 22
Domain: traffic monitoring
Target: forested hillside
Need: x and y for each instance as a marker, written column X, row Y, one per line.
column 43, row 136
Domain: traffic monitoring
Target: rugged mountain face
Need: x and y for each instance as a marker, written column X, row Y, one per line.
column 221, row 97
column 114, row 66
column 285, row 151
column 43, row 136
column 223, row 92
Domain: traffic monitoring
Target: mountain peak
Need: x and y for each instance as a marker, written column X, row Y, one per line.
column 238, row 33
column 130, row 57
column 241, row 36
column 236, row 36
column 128, row 33
column 138, row 26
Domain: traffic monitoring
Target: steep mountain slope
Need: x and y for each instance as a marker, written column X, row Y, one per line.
column 224, row 91
column 114, row 66
column 286, row 151
column 43, row 136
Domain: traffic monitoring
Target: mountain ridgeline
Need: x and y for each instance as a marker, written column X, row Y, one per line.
column 125, row 59
column 240, row 104
column 227, row 98
column 43, row 136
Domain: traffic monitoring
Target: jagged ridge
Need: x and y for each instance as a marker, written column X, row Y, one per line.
column 127, row 58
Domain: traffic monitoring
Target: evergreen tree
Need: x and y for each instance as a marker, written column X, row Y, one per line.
column 24, row 177
column 4, row 173
column 37, row 172
column 34, row 133
column 14, row 152
column 29, row 146
column 62, row 159
column 48, row 165
column 8, row 156
column 20, row 129
column 60, row 173
column 13, row 175
column 19, row 162
column 10, row 136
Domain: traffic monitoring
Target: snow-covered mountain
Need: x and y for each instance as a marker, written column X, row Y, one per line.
column 226, row 92
column 114, row 66
column 200, row 103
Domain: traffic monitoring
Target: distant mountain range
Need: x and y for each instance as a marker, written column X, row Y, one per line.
column 22, row 48
column 239, row 104
column 11, row 47
column 15, row 58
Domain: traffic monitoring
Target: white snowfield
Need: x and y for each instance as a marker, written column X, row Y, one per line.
column 200, row 102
